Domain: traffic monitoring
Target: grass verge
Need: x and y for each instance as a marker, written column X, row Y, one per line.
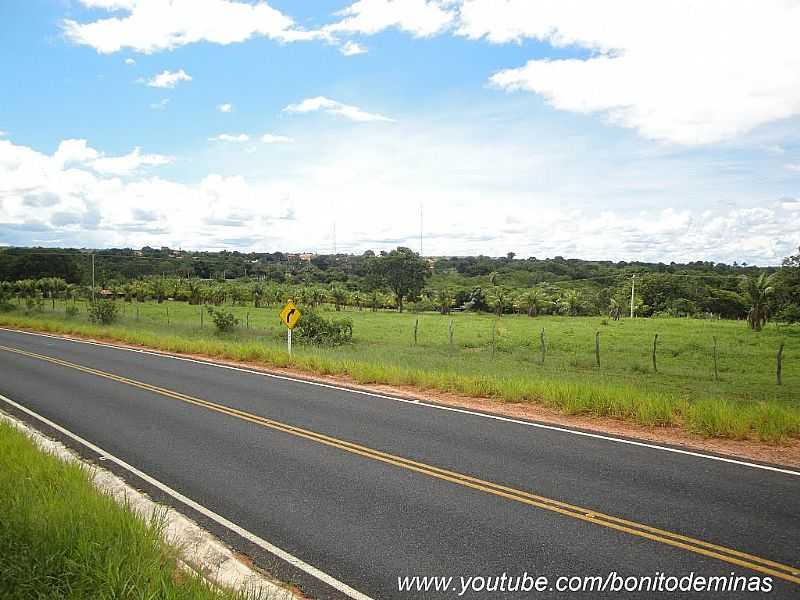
column 771, row 421
column 62, row 539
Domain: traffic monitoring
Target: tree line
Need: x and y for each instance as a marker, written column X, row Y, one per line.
column 401, row 278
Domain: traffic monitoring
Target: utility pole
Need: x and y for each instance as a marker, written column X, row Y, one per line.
column 92, row 277
column 633, row 290
column 420, row 229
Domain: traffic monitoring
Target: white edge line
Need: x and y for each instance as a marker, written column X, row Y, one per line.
column 464, row 411
column 251, row 537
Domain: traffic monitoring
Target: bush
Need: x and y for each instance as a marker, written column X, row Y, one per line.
column 315, row 329
column 225, row 321
column 790, row 314
column 71, row 311
column 104, row 312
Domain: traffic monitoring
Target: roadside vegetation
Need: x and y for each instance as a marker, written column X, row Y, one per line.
column 569, row 344
column 62, row 539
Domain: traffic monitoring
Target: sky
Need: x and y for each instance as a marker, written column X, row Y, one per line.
column 598, row 129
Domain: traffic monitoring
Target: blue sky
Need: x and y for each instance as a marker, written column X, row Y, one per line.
column 543, row 128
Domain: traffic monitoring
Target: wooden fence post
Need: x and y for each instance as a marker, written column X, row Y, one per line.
column 655, row 343
column 716, row 369
column 416, row 328
column 450, row 332
column 494, row 344
column 247, row 320
column 201, row 317
column 597, row 348
column 778, row 361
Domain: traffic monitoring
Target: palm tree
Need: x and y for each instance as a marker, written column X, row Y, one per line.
column 499, row 299
column 614, row 309
column 444, row 300
column 194, row 291
column 375, row 300
column 571, row 301
column 531, row 301
column 339, row 296
column 756, row 292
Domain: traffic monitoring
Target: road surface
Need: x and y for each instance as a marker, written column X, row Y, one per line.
column 368, row 489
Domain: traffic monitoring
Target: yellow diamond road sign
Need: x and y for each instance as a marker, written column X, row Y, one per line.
column 290, row 315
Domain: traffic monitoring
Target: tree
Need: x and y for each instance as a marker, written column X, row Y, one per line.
column 531, row 301
column 614, row 309
column 444, row 301
column 571, row 302
column 498, row 298
column 339, row 296
column 756, row 292
column 403, row 272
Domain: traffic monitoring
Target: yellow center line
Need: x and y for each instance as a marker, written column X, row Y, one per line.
column 729, row 555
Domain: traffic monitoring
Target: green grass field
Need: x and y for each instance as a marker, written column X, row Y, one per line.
column 62, row 539
column 745, row 402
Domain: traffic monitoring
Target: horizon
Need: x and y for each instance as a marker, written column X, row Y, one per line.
column 86, row 250
column 486, row 127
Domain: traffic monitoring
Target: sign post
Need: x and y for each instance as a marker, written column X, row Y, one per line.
column 290, row 315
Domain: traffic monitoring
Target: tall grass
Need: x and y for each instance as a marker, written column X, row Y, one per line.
column 746, row 405
column 62, row 539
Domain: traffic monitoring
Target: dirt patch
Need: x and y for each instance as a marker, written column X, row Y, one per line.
column 786, row 454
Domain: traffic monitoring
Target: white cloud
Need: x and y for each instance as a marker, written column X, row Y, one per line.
column 154, row 25
column 75, row 204
column 3, row 134
column 160, row 105
column 169, row 79
column 128, row 163
column 680, row 71
column 421, row 18
column 230, row 137
column 320, row 103
column 74, row 151
column 225, row 108
column 130, row 61
column 351, row 48
column 269, row 138
column 793, row 166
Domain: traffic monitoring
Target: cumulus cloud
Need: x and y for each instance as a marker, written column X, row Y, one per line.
column 230, row 137
column 320, row 103
column 351, row 48
column 421, row 18
column 225, row 108
column 168, row 79
column 684, row 72
column 793, row 166
column 87, row 203
column 153, row 25
column 130, row 61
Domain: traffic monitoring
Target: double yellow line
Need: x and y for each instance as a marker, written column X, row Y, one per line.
column 729, row 555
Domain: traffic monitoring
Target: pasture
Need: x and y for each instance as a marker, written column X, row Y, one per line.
column 500, row 357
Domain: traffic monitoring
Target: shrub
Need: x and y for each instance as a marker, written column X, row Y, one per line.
column 71, row 311
column 104, row 312
column 225, row 321
column 790, row 314
column 315, row 329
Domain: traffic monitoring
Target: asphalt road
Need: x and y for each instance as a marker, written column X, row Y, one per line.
column 327, row 475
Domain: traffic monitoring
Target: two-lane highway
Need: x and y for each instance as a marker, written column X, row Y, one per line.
column 368, row 488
